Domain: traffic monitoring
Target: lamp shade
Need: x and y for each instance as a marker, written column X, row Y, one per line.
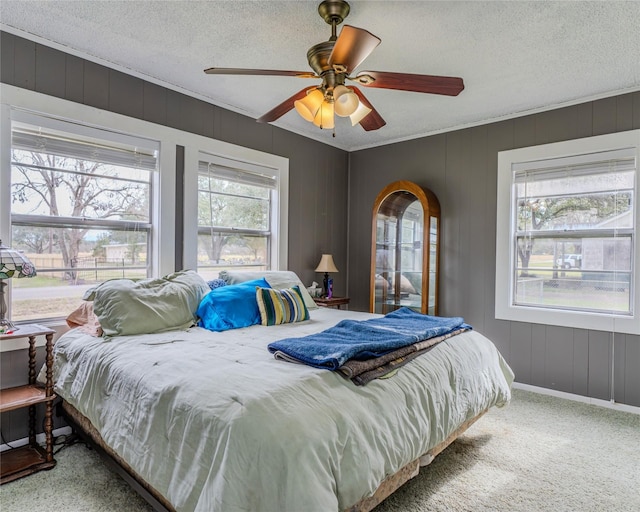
column 308, row 106
column 324, row 117
column 14, row 264
column 361, row 112
column 326, row 264
column 346, row 101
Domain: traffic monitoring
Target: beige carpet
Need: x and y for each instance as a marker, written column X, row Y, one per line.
column 538, row 454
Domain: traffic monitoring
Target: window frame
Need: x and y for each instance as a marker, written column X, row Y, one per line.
column 21, row 120
column 505, row 307
column 242, row 159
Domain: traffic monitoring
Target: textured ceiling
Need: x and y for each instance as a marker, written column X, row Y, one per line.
column 515, row 56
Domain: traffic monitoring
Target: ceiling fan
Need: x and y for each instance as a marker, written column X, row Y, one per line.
column 333, row 61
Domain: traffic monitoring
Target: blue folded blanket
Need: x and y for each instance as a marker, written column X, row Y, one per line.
column 352, row 339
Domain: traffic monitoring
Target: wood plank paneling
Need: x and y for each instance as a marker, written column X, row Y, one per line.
column 624, row 112
column 96, row 85
column 174, row 109
column 455, row 248
column 538, row 359
column 605, row 116
column 584, row 120
column 580, row 370
column 631, row 373
column 243, row 130
column 600, row 365
column 478, row 243
column 154, row 103
column 524, row 132
column 521, row 348
column 500, row 137
column 74, row 79
column 125, row 94
column 24, row 63
column 194, row 115
column 620, row 369
column 558, row 358
column 636, row 110
column 50, row 71
column 7, row 58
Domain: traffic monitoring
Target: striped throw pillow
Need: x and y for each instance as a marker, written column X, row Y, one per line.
column 281, row 306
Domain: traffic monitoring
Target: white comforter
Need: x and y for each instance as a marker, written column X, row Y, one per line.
column 215, row 423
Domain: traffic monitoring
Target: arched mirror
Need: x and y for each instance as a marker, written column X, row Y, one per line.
column 405, row 247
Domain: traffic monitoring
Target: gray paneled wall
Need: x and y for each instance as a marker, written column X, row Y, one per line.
column 318, row 174
column 460, row 167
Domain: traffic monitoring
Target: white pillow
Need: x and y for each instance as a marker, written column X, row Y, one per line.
column 278, row 279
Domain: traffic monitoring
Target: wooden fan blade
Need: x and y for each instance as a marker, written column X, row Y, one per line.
column 284, row 107
column 373, row 120
column 447, row 85
column 265, row 72
column 352, row 47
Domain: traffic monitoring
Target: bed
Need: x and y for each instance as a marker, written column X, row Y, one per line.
column 211, row 421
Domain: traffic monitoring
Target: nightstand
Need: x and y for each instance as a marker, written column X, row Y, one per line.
column 333, row 302
column 24, row 460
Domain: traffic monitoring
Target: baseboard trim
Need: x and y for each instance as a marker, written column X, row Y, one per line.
column 578, row 398
column 62, row 431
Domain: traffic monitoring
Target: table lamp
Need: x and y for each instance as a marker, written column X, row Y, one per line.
column 12, row 264
column 326, row 265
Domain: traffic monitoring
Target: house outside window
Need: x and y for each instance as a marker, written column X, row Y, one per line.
column 567, row 247
column 81, row 210
column 236, row 212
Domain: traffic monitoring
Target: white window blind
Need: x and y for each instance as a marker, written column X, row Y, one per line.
column 236, row 208
column 237, row 175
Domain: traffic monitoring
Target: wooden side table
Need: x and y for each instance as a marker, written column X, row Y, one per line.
column 333, row 302
column 24, row 460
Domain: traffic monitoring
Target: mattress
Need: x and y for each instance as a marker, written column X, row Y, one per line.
column 214, row 423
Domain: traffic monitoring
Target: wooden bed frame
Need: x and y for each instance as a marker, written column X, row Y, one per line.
column 87, row 431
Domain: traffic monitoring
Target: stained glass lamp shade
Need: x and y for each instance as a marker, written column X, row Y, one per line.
column 12, row 264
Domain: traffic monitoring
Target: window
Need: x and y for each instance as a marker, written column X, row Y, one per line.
column 237, row 215
column 235, row 208
column 567, row 244
column 81, row 210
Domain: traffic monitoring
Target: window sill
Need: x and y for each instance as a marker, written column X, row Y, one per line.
column 578, row 320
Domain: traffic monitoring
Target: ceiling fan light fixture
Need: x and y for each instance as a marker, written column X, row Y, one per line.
column 308, row 106
column 332, row 62
column 346, row 101
column 361, row 112
column 324, row 117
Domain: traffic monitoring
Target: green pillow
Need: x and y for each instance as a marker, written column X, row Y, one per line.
column 146, row 306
